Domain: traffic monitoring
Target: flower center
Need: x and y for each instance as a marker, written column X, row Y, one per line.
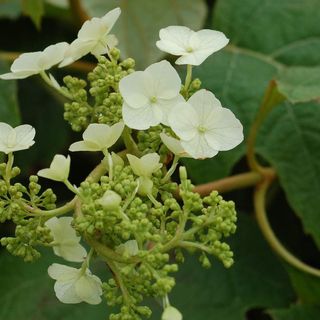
column 153, row 99
column 189, row 49
column 202, row 129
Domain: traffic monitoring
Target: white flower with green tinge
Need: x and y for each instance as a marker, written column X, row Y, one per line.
column 98, row 137
column 75, row 285
column 174, row 145
column 146, row 165
column 93, row 37
column 31, row 63
column 192, row 47
column 130, row 248
column 150, row 95
column 110, row 200
column 59, row 169
column 66, row 241
column 204, row 126
column 15, row 139
column 171, row 313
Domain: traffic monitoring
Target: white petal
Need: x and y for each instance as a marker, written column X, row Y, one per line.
column 88, row 288
column 73, row 252
column 61, row 272
column 25, row 135
column 146, row 165
column 133, row 90
column 52, row 55
column 184, row 121
column 66, row 293
column 114, row 135
column 164, row 81
column 140, row 119
column 211, row 40
column 225, row 131
column 92, row 30
column 198, row 147
column 111, row 17
column 174, row 145
column 59, row 169
column 174, row 39
column 166, row 107
column 84, row 146
column 171, row 313
column 27, row 62
column 17, row 75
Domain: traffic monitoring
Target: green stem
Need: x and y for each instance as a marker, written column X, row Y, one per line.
column 262, row 219
column 10, row 160
column 188, row 78
column 49, row 82
column 130, row 144
column 271, row 98
column 171, row 170
column 71, row 187
column 194, row 245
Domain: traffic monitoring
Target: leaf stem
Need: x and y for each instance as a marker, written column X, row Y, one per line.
column 271, row 98
column 277, row 246
column 130, row 144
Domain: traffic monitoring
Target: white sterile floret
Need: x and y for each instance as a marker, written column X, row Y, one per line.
column 59, row 169
column 15, row 139
column 75, row 285
column 146, row 165
column 66, row 241
column 149, row 95
column 174, row 145
column 130, row 248
column 193, row 47
column 110, row 200
column 31, row 63
column 93, row 37
column 171, row 313
column 98, row 137
column 204, row 126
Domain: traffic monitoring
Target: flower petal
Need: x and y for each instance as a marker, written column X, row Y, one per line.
column 110, row 18
column 140, row 119
column 184, row 120
column 166, row 107
column 88, row 288
column 198, row 147
column 84, row 146
column 61, row 272
column 174, row 145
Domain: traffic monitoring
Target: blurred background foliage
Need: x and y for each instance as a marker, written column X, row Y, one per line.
column 269, row 40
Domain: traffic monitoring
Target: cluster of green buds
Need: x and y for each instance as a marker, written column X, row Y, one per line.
column 129, row 211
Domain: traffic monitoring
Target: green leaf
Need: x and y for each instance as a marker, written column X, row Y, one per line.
column 305, row 285
column 9, row 109
column 296, row 313
column 256, row 280
column 300, row 84
column 10, row 8
column 289, row 140
column 138, row 26
column 34, row 9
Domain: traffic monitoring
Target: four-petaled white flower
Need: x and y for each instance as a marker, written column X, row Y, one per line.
column 146, row 165
column 75, row 285
column 98, row 137
column 59, row 169
column 204, row 126
column 193, row 47
column 15, row 139
column 31, row 63
column 93, row 37
column 171, row 313
column 174, row 145
column 66, row 241
column 149, row 95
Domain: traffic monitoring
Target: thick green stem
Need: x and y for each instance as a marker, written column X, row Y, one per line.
column 276, row 245
column 129, row 142
column 271, row 98
column 9, row 165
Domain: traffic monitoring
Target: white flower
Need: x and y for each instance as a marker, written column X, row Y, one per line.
column 149, row 95
column 93, row 37
column 98, row 137
column 110, row 200
column 193, row 47
column 15, row 139
column 204, row 126
column 59, row 169
column 171, row 313
column 146, row 165
column 30, row 63
column 66, row 242
column 174, row 145
column 75, row 285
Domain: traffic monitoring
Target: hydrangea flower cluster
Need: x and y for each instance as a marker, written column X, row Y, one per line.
column 128, row 211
